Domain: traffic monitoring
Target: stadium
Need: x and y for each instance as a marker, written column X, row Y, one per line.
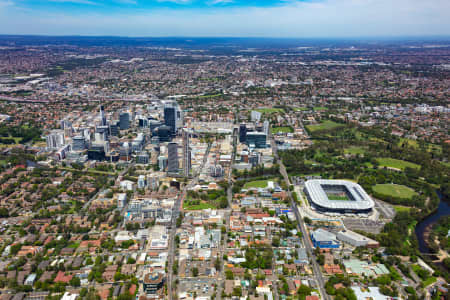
column 338, row 196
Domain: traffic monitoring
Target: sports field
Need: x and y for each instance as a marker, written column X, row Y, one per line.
column 284, row 129
column 324, row 126
column 256, row 184
column 320, row 108
column 200, row 206
column 270, row 110
column 396, row 163
column 394, row 190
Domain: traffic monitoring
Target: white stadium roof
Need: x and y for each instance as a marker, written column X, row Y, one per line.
column 361, row 200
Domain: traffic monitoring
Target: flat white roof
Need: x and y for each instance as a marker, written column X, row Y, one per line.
column 362, row 200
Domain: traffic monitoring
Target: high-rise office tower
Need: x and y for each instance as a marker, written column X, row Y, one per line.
column 266, row 126
column 180, row 116
column 242, row 133
column 78, row 143
column 186, row 154
column 102, row 116
column 172, row 158
column 55, row 139
column 124, row 120
column 170, row 118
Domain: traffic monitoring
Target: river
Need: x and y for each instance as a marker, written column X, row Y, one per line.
column 442, row 210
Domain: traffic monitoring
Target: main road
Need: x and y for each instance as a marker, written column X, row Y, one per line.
column 301, row 225
column 173, row 228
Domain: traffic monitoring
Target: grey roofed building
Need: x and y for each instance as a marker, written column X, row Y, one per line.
column 43, row 264
column 358, row 199
column 324, row 239
column 302, row 255
column 355, row 239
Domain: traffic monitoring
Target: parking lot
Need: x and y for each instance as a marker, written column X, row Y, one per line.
column 366, row 225
column 385, row 209
column 201, row 286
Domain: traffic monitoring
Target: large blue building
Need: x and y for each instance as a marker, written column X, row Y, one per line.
column 324, row 239
column 256, row 139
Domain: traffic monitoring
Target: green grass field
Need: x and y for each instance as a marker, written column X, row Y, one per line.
column 400, row 208
column 301, row 108
column 210, row 96
column 429, row 281
column 203, row 205
column 324, row 126
column 394, row 190
column 415, row 144
column 396, row 163
column 337, row 198
column 285, row 129
column 320, row 108
column 270, row 110
column 256, row 184
column 447, row 164
column 354, row 150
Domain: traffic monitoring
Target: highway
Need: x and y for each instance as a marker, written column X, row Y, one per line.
column 173, row 228
column 302, row 227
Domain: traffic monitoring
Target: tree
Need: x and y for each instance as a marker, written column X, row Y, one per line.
column 195, row 271
column 276, row 241
column 75, row 281
column 304, row 290
column 237, row 291
column 217, row 264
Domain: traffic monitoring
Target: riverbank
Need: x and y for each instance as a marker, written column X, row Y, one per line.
column 424, row 227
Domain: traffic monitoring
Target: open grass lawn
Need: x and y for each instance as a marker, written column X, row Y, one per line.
column 285, row 129
column 270, row 110
column 400, row 208
column 202, row 205
column 256, row 184
column 354, row 150
column 301, row 109
column 394, row 190
column 210, row 96
column 396, row 163
column 320, row 108
column 324, row 126
column 429, row 281
column 413, row 143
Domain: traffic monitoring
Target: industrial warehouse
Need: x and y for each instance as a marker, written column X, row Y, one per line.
column 338, row 196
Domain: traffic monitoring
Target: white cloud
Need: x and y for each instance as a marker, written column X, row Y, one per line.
column 329, row 18
column 76, row 1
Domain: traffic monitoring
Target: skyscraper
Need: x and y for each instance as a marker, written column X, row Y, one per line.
column 180, row 116
column 170, row 117
column 172, row 158
column 78, row 143
column 55, row 139
column 124, row 120
column 266, row 127
column 186, row 154
column 242, row 133
column 102, row 116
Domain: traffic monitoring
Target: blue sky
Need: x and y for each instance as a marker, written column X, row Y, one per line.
column 244, row 18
